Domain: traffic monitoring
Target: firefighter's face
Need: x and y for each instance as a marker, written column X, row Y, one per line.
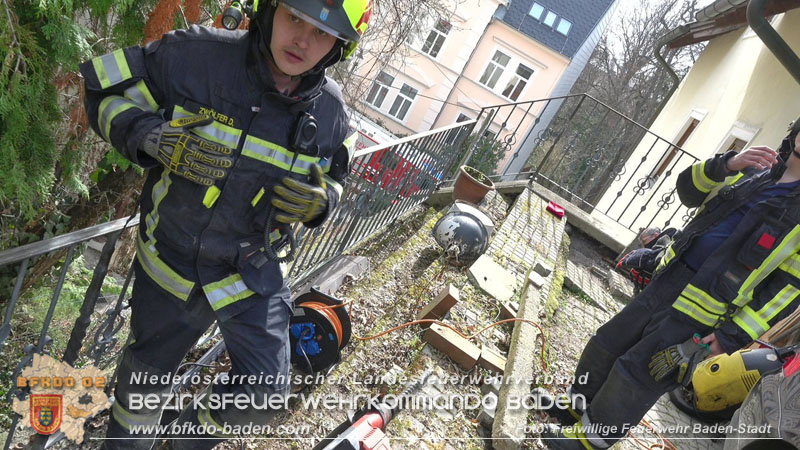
column 297, row 46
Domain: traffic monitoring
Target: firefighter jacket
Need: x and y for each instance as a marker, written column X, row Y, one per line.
column 752, row 280
column 197, row 237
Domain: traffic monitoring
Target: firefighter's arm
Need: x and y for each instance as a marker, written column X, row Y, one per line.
column 697, row 181
column 122, row 101
column 336, row 171
column 777, row 297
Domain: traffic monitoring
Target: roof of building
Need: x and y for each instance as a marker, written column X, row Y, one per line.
column 718, row 18
column 582, row 15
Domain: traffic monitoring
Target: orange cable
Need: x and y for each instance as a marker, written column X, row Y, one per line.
column 432, row 321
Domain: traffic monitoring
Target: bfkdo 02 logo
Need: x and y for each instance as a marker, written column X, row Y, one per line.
column 46, row 412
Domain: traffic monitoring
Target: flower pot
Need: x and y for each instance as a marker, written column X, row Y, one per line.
column 471, row 185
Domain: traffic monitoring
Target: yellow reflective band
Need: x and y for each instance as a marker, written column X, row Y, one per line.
column 748, row 320
column 781, row 300
column 334, row 184
column 668, row 255
column 787, row 248
column 212, row 194
column 278, row 156
column 161, row 273
column 792, row 266
column 159, row 192
column 700, row 180
column 140, row 95
column 205, row 418
column 695, row 312
column 350, row 145
column 108, row 110
column 216, row 132
column 111, row 68
column 258, row 196
column 274, row 236
column 704, row 300
column 122, row 65
column 128, row 419
column 226, row 291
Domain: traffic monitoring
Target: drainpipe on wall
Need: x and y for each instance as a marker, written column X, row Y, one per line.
column 675, row 79
column 758, row 22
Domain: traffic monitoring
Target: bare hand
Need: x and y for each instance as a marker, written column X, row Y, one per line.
column 759, row 157
column 713, row 344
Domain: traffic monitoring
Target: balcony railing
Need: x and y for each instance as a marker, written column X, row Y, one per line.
column 588, row 153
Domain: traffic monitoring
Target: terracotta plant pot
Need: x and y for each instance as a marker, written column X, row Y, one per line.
column 471, row 185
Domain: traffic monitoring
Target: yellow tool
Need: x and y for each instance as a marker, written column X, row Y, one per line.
column 721, row 383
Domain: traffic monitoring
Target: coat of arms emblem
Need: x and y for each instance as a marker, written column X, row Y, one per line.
column 45, row 413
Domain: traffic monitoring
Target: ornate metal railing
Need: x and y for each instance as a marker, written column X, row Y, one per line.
column 385, row 182
column 590, row 154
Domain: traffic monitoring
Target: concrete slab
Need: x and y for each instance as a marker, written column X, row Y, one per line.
column 331, row 277
column 493, row 279
column 543, row 269
column 619, row 286
column 583, row 281
column 536, row 280
column 600, row 227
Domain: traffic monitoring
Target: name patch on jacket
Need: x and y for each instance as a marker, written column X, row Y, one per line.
column 200, row 109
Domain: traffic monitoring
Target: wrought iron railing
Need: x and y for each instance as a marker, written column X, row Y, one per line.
column 385, row 182
column 590, row 154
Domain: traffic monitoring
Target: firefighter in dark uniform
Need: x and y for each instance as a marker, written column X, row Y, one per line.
column 243, row 133
column 727, row 277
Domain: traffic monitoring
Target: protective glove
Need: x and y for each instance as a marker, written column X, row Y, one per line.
column 185, row 154
column 301, row 202
column 681, row 359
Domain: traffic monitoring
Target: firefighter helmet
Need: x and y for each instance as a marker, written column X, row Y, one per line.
column 345, row 19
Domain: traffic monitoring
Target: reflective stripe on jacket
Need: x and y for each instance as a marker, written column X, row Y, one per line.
column 194, row 236
column 753, row 279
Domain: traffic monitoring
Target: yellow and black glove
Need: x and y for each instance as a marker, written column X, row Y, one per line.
column 679, row 360
column 301, row 202
column 186, row 154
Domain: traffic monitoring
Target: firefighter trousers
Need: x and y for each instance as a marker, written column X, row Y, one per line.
column 619, row 387
column 164, row 328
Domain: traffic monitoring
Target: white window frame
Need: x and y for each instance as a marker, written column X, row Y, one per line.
column 739, row 130
column 381, row 86
column 516, row 79
column 548, row 16
column 697, row 115
column 495, row 65
column 439, row 37
column 404, row 99
column 569, row 27
column 541, row 11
